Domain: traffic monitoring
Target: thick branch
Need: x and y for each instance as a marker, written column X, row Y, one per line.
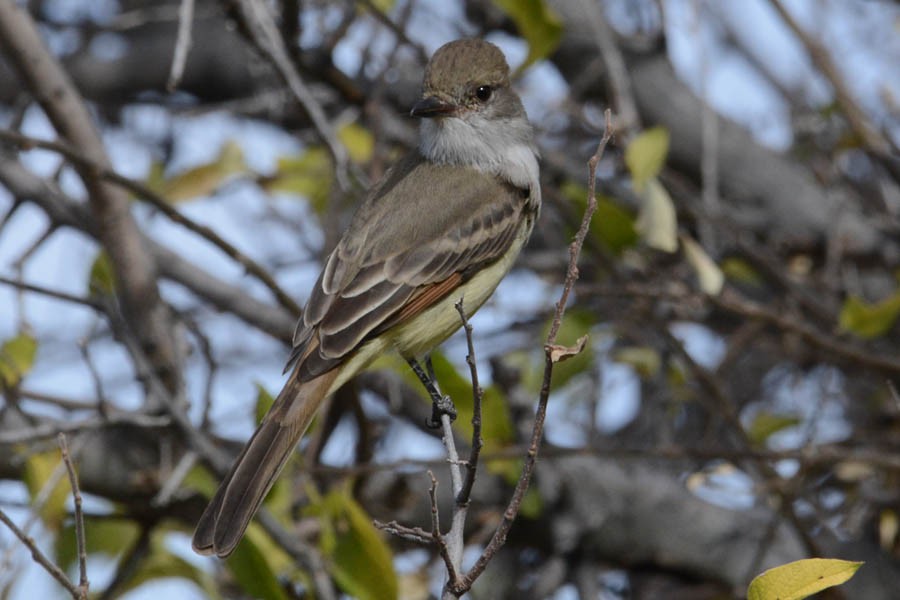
column 132, row 264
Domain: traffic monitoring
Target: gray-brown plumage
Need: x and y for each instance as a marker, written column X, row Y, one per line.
column 447, row 221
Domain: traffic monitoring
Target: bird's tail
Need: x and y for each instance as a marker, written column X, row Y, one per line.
column 242, row 491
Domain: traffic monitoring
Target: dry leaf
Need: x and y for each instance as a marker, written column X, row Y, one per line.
column 560, row 353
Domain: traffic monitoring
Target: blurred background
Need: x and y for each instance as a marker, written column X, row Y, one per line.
column 736, row 406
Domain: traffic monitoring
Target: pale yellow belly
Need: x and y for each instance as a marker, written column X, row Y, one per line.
column 435, row 324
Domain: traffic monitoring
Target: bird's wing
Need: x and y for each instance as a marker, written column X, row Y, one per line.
column 419, row 236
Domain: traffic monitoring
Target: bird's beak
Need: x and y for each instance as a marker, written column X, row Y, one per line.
column 431, row 106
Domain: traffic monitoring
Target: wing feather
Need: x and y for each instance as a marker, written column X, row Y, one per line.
column 393, row 263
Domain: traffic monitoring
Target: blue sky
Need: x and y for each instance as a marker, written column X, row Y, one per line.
column 712, row 70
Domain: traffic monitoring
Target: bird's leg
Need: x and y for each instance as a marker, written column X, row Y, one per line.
column 440, row 404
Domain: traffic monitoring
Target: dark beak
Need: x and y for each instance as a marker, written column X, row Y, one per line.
column 431, row 107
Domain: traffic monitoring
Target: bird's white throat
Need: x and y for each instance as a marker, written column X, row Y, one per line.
column 500, row 146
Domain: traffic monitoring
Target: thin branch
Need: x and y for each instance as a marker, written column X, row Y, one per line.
column 40, row 558
column 732, row 301
column 174, row 480
column 183, row 43
column 619, row 80
column 512, row 509
column 413, row 534
column 454, row 541
column 49, row 430
column 396, row 29
column 148, row 195
column 820, row 56
column 83, row 584
column 37, row 289
column 257, row 17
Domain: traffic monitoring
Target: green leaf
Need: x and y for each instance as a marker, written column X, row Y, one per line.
column 38, row 470
column 764, row 425
column 363, row 564
column 801, row 579
column 537, row 23
column 870, row 321
column 657, row 223
column 253, row 572
column 308, row 175
column 532, row 503
column 646, row 155
column 17, row 356
column 202, row 180
column 740, row 271
column 614, row 226
column 264, row 402
column 110, row 537
column 709, row 274
column 496, row 422
column 102, row 278
column 611, row 225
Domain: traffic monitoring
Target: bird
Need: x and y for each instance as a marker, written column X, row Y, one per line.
column 445, row 224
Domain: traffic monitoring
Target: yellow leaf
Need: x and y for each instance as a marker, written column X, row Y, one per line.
column 17, row 356
column 657, row 223
column 207, row 178
column 537, row 23
column 646, row 155
column 358, row 140
column 801, row 578
column 708, row 273
column 888, row 529
column 869, row 321
column 308, row 174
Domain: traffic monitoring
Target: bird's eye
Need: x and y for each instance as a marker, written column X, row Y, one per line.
column 483, row 93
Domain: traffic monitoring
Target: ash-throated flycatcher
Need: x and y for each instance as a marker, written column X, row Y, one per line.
column 447, row 222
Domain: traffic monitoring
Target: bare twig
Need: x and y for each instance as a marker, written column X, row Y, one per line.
column 40, row 558
column 182, row 43
column 413, row 534
column 512, row 509
column 83, row 583
column 102, row 404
